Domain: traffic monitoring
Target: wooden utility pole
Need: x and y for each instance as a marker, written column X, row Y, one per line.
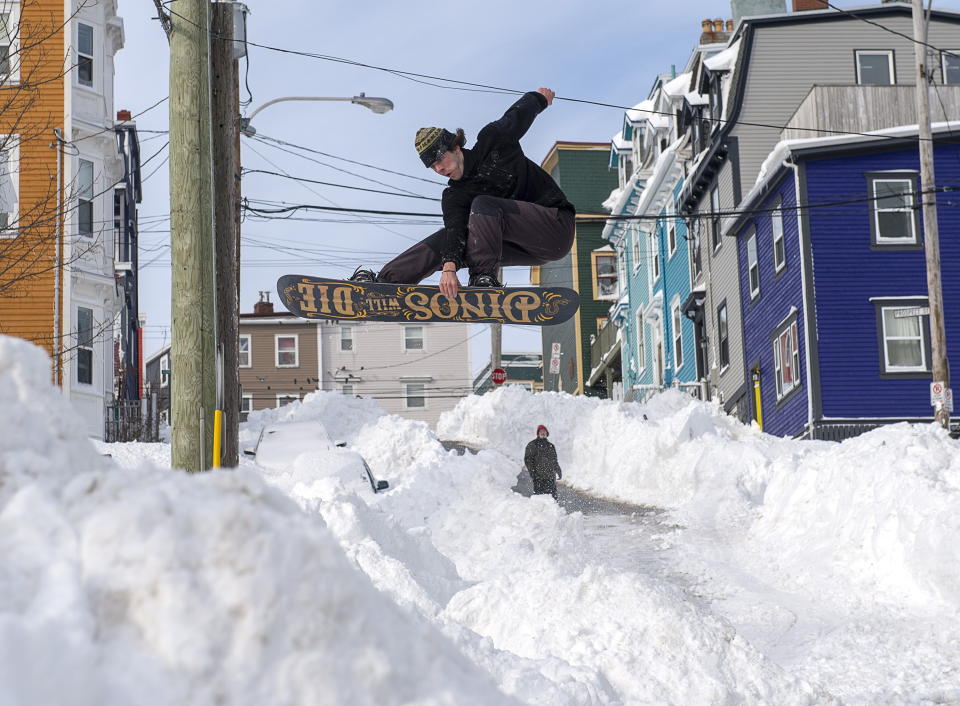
column 928, row 200
column 192, row 353
column 226, row 179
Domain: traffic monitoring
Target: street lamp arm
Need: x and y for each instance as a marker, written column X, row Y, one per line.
column 294, row 98
column 377, row 105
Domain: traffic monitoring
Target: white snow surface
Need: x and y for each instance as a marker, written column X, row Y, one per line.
column 775, row 571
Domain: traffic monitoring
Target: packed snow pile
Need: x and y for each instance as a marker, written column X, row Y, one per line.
column 143, row 585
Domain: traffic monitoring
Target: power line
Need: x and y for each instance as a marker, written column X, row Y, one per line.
column 891, row 30
column 339, row 186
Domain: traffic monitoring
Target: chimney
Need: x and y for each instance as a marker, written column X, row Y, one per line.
column 730, row 26
column 707, row 36
column 123, row 115
column 264, row 306
column 804, row 5
column 718, row 25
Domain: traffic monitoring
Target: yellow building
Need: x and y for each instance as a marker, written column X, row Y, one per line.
column 60, row 170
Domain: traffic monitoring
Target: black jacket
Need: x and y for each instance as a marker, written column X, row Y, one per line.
column 540, row 458
column 496, row 166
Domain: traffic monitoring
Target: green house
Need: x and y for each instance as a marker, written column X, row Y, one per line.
column 582, row 169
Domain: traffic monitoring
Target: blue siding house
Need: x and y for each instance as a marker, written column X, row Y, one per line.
column 834, row 293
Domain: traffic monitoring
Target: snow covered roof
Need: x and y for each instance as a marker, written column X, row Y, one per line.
column 620, row 144
column 641, row 111
column 725, row 60
column 678, row 86
column 694, row 98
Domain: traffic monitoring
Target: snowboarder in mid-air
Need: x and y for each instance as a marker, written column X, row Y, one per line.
column 540, row 459
column 499, row 207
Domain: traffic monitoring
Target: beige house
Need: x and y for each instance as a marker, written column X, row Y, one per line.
column 414, row 370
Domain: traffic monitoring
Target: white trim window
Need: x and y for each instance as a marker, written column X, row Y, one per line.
column 753, row 266
column 779, row 247
column 286, row 350
column 637, row 256
column 641, row 343
column 413, row 338
column 85, row 54
column 9, row 186
column 346, row 389
column 84, row 355
column 414, row 395
column 677, row 319
column 951, row 68
column 655, row 254
column 246, row 406
column 875, row 67
column 672, row 237
column 605, row 271
column 346, row 338
column 786, row 360
column 165, row 370
column 715, row 240
column 85, row 198
column 245, row 351
column 894, row 216
column 9, row 64
column 904, row 345
column 286, row 398
column 723, row 337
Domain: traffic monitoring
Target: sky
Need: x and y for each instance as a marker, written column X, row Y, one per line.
column 741, row 568
column 595, row 51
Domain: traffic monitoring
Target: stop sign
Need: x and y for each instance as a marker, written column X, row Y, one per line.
column 499, row 376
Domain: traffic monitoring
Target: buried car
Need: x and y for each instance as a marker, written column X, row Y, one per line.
column 305, row 449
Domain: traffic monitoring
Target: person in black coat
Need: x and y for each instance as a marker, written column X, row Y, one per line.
column 540, row 459
column 499, row 208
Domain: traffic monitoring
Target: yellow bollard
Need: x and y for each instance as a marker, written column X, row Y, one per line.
column 217, row 430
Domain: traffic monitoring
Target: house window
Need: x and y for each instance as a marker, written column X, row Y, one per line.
column 875, row 67
column 243, row 356
column 346, row 338
column 414, row 395
column 9, row 178
column 715, row 217
column 413, row 338
column 723, row 338
column 786, row 360
column 696, row 263
column 85, row 198
column 636, row 248
column 951, row 68
column 164, row 370
column 246, row 406
column 779, row 251
column 641, row 343
column 286, row 399
column 85, row 54
column 655, row 253
column 672, row 236
column 604, row 275
column 6, row 33
column 287, row 351
column 346, row 390
column 84, row 345
column 894, row 218
column 904, row 344
column 753, row 266
column 677, row 338
column 627, row 169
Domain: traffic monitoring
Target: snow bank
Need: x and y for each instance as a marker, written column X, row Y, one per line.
column 143, row 585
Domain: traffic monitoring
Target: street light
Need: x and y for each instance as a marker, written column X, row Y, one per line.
column 377, row 105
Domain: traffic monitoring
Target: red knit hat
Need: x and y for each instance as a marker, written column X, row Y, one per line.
column 544, row 428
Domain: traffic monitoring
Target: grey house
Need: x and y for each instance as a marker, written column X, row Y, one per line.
column 772, row 64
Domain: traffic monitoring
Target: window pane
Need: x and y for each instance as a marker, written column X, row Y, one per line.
column 85, row 39
column 4, row 60
column 85, row 179
column 895, row 224
column 893, row 194
column 415, row 396
column 606, row 265
column 905, row 353
column 778, row 254
column 85, row 218
column 346, row 338
column 874, row 69
column 84, row 326
column 85, row 366
column 951, row 69
column 906, row 326
column 243, row 358
column 85, row 71
column 413, row 338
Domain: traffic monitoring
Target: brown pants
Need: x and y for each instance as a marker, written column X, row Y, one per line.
column 501, row 232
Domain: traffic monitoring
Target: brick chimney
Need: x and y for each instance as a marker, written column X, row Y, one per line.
column 264, row 307
column 718, row 25
column 804, row 5
column 712, row 31
column 124, row 115
column 730, row 26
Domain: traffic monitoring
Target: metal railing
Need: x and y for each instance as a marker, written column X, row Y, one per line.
column 132, row 420
column 697, row 390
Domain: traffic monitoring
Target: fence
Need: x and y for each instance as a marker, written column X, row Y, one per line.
column 132, row 420
column 698, row 390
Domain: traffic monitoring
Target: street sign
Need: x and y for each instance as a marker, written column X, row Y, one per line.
column 555, row 358
column 948, row 400
column 912, row 311
column 499, row 376
column 937, row 393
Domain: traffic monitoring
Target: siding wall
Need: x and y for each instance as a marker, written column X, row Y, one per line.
column 264, row 380
column 780, row 293
column 848, row 273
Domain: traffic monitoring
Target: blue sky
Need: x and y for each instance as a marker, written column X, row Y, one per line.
column 605, row 50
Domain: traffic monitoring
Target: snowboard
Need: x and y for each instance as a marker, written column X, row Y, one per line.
column 322, row 298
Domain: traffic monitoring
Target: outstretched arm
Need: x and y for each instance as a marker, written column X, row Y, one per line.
column 519, row 116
